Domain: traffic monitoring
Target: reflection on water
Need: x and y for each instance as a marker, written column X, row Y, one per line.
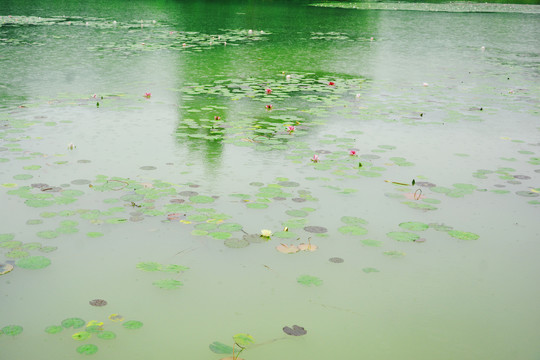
column 158, row 204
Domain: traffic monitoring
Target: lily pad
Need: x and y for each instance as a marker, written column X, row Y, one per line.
column 414, row 226
column 371, row 242
column 73, row 322
column 220, row 348
column 149, row 266
column 98, row 302
column 368, row 270
column 402, row 236
column 33, row 262
column 463, row 235
column 295, row 330
column 353, row 220
column 221, row 235
column 243, row 340
column 168, row 284
column 236, row 243
column 106, row 335
column 87, row 349
column 309, row 280
column 53, row 329
column 82, row 335
column 201, row 199
column 336, row 260
column 12, row 330
column 132, row 324
column 352, row 230
column 316, row 229
column 5, row 268
column 394, row 253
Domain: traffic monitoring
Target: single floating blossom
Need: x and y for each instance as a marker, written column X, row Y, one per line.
column 288, row 77
column 217, row 118
column 71, row 146
column 331, row 83
column 268, row 91
column 250, row 31
column 290, row 129
column 269, row 107
column 425, row 84
column 265, row 233
column 352, row 153
column 358, row 96
column 315, row 158
column 94, row 96
column 147, row 95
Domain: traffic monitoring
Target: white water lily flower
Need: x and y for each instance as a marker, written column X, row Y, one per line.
column 266, row 233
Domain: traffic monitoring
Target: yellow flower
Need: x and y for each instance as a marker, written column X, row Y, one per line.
column 266, row 233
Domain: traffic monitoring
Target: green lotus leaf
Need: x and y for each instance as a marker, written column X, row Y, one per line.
column 11, row 330
column 463, row 235
column 73, row 322
column 309, row 280
column 371, row 242
column 149, row 266
column 201, row 199
column 403, row 236
column 53, row 329
column 353, row 220
column 220, row 348
column 414, row 226
column 168, row 284
column 106, row 335
column 352, row 230
column 48, row 234
column 221, row 235
column 243, row 340
column 82, row 335
column 132, row 324
column 33, row 262
column 174, row 268
column 87, row 349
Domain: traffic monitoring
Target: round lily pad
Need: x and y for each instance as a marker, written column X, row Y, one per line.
column 463, row 235
column 315, row 229
column 288, row 183
column 257, row 205
column 371, row 242
column 98, row 302
column 82, row 335
column 368, row 270
column 5, row 268
column 414, row 226
column 353, row 220
column 73, row 322
column 295, row 330
column 236, row 243
column 402, row 236
column 87, row 349
column 297, row 213
column 53, row 329
column 17, row 254
column 148, row 168
column 132, row 324
column 201, row 199
column 284, row 235
column 106, row 335
column 12, row 330
column 394, row 253
column 527, row 193
column 33, row 262
column 352, row 230
column 149, row 266
column 309, row 280
column 221, row 235
column 48, row 234
column 168, row 284
column 94, row 234
column 230, row 227
column 336, row 260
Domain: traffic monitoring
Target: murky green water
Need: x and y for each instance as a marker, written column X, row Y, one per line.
column 123, row 200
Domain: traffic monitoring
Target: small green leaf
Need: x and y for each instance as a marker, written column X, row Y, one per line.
column 243, row 340
column 309, row 280
column 220, row 348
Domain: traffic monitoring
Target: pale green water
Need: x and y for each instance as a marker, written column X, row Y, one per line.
column 445, row 298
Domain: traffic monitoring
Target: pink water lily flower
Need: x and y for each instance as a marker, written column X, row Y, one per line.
column 290, row 128
column 269, row 107
column 352, row 152
column 331, row 83
column 315, row 158
column 217, row 118
column 147, row 95
column 268, row 91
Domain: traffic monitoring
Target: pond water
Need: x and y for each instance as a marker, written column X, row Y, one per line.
column 142, row 154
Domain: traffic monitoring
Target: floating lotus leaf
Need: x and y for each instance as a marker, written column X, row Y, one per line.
column 148, row 167
column 149, row 266
column 236, row 243
column 106, row 335
column 98, row 302
column 205, row 226
column 10, row 244
column 220, row 348
column 33, row 262
column 295, row 330
column 167, row 284
column 94, row 329
column 257, row 205
column 414, row 226
column 31, row 246
column 463, row 235
column 402, row 236
column 37, row 203
column 87, row 349
column 288, row 184
column 201, row 199
column 5, row 268
column 243, row 340
column 368, row 270
column 295, row 223
column 255, row 238
column 309, row 280
column 230, row 227
column 174, row 268
column 48, row 249
column 94, row 234
column 353, row 220
column 132, row 324
column 221, row 235
column 284, row 235
column 394, row 253
column 307, row 247
column 352, row 230
column 73, row 322
column 336, row 260
column 316, row 229
column 528, row 193
column 297, row 213
column 53, row 329
column 371, row 242
column 17, row 254
column 22, row 177
column 199, row 232
column 82, row 335
column 11, row 330
column 116, row 220
column 6, row 237
column 66, row 230
column 287, row 249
